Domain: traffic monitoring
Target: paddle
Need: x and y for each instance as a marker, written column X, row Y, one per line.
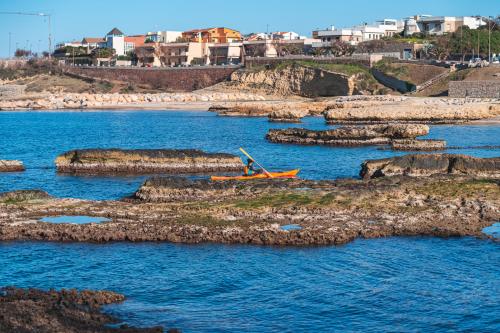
column 250, row 157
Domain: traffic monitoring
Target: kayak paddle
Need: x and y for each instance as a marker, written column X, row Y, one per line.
column 260, row 165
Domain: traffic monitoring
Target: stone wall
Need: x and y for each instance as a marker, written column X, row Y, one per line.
column 476, row 89
column 170, row 79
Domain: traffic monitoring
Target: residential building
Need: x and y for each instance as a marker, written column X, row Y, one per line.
column 256, row 37
column 164, row 36
column 287, row 35
column 93, row 42
column 115, row 39
column 132, row 42
column 439, row 25
column 391, row 27
column 212, row 35
column 351, row 36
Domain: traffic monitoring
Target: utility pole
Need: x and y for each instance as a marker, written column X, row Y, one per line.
column 10, row 40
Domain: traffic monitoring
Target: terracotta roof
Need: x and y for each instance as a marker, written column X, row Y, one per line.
column 138, row 40
column 92, row 40
column 115, row 31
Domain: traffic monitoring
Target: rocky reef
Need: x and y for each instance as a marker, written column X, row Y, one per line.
column 71, row 311
column 11, row 166
column 287, row 116
column 431, row 164
column 146, row 161
column 418, row 144
column 410, row 110
column 253, row 212
column 348, row 135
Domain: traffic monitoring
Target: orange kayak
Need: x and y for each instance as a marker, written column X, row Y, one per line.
column 284, row 174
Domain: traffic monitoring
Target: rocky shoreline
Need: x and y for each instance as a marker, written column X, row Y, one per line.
column 35, row 310
column 143, row 161
column 328, row 212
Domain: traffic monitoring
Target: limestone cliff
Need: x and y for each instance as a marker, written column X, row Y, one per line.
column 296, row 79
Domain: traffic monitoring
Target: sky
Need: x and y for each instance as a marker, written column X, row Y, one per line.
column 73, row 20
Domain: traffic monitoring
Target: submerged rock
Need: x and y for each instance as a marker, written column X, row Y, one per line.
column 418, row 144
column 35, row 310
column 146, row 161
column 348, row 135
column 430, row 164
column 11, row 166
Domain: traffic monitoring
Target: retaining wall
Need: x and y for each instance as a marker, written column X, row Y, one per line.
column 476, row 89
column 170, row 79
column 392, row 82
column 262, row 61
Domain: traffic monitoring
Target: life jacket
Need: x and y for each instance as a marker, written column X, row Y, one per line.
column 247, row 171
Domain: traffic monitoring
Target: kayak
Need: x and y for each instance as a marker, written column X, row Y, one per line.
column 281, row 175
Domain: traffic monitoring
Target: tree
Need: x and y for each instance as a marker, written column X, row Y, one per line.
column 20, row 53
column 255, row 50
column 104, row 52
column 376, row 45
column 441, row 48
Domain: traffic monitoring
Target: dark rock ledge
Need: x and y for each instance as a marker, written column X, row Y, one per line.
column 146, row 161
column 35, row 310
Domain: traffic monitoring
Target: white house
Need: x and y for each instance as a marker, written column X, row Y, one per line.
column 287, row 35
column 439, row 25
column 115, row 39
column 164, row 36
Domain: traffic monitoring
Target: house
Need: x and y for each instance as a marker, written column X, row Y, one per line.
column 212, row 35
column 391, row 27
column 115, row 39
column 351, row 36
column 439, row 25
column 132, row 42
column 256, row 37
column 288, row 35
column 93, row 42
column 164, row 36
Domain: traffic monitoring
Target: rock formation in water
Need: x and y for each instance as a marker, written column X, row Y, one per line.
column 251, row 212
column 287, row 116
column 410, row 110
column 71, row 311
column 146, row 161
column 418, row 144
column 11, row 166
column 348, row 135
column 430, row 164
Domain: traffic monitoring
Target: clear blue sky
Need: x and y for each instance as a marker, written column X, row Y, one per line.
column 74, row 19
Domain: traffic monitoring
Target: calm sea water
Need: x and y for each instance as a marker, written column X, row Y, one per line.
column 393, row 284
column 37, row 138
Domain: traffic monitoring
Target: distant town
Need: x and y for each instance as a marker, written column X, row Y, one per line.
column 416, row 37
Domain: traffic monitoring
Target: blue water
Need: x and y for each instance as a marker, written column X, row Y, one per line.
column 73, row 219
column 393, row 284
column 37, row 138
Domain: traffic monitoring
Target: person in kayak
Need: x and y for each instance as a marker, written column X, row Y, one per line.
column 250, row 168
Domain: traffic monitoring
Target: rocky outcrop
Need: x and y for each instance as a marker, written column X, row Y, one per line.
column 418, row 144
column 11, row 166
column 287, row 116
column 431, row 164
column 24, row 195
column 348, row 135
column 328, row 212
column 146, row 161
column 295, row 79
column 71, row 311
column 410, row 110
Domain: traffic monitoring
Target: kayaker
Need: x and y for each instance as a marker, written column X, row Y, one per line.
column 250, row 168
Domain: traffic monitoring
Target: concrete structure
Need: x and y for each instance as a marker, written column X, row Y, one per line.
column 164, row 36
column 439, row 25
column 474, row 89
column 286, row 35
column 212, row 35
